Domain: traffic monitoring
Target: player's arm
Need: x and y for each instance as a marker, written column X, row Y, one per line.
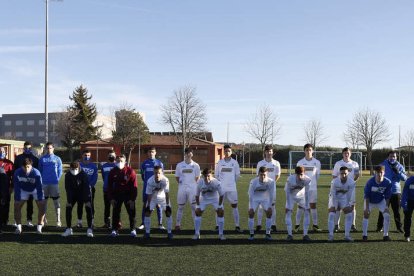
column 332, row 192
column 197, row 174
column 307, row 196
column 272, row 192
column 404, row 195
column 287, row 192
column 349, row 195
column 237, row 171
column 94, row 178
column 335, row 171
column 59, row 168
column 251, row 192
column 39, row 187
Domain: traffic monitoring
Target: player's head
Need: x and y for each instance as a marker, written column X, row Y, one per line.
column 308, row 149
column 27, row 165
column 74, row 168
column 86, row 155
column 27, row 147
column 188, row 152
column 343, row 173
column 50, row 147
column 268, row 151
column 227, row 151
column 262, row 173
column 3, row 152
column 111, row 156
column 392, row 156
column 120, row 161
column 300, row 172
column 151, row 153
column 379, row 173
column 207, row 174
column 346, row 154
column 157, row 173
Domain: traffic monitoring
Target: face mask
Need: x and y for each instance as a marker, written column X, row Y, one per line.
column 74, row 171
column 111, row 158
column 86, row 158
column 120, row 165
column 2, row 155
column 27, row 151
column 392, row 161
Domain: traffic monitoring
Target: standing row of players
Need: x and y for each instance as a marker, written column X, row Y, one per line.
column 120, row 187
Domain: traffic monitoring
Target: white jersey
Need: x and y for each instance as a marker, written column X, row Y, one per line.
column 353, row 168
column 273, row 168
column 297, row 187
column 312, row 170
column 211, row 190
column 158, row 189
column 227, row 172
column 262, row 190
column 342, row 191
column 187, row 173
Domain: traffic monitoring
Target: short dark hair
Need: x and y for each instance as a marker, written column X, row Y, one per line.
column 227, row 147
column 379, row 168
column 74, row 165
column 308, row 145
column 150, row 148
column 27, row 161
column 345, row 149
column 27, row 143
column 187, row 150
column 157, row 168
column 206, row 171
column 343, row 168
column 86, row 151
column 268, row 147
column 262, row 169
column 392, row 152
column 299, row 169
column 49, row 144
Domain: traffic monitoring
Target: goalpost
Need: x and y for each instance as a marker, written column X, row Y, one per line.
column 327, row 159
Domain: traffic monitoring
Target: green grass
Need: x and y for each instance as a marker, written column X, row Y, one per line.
column 51, row 254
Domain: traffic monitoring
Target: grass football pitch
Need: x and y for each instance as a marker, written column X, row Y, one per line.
column 50, row 253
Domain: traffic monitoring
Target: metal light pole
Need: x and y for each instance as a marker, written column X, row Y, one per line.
column 46, row 56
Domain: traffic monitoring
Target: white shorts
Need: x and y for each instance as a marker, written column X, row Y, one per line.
column 205, row 202
column 24, row 195
column 342, row 203
column 51, row 190
column 231, row 197
column 266, row 204
column 300, row 201
column 313, row 196
column 186, row 194
column 381, row 206
column 161, row 201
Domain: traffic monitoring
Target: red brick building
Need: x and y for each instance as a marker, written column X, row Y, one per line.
column 206, row 152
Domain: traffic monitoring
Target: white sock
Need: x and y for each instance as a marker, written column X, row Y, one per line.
column 386, row 223
column 288, row 221
column 331, row 222
column 251, row 225
column 314, row 213
column 197, row 225
column 39, row 227
column 299, row 213
column 306, row 222
column 273, row 215
column 169, row 224
column 337, row 217
column 348, row 223
column 236, row 216
column 179, row 215
column 268, row 225
column 19, row 226
column 353, row 216
column 259, row 215
column 220, row 225
column 365, row 227
column 147, row 224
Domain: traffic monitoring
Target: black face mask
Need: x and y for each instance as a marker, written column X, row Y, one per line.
column 111, row 159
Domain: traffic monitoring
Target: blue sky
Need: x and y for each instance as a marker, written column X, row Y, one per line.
column 308, row 59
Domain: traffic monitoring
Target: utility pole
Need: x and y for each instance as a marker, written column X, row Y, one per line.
column 46, row 73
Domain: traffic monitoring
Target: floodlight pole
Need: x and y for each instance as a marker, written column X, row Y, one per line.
column 46, row 73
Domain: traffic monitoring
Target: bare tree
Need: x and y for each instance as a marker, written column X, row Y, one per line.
column 130, row 130
column 371, row 129
column 263, row 125
column 314, row 132
column 409, row 144
column 351, row 138
column 185, row 114
column 67, row 129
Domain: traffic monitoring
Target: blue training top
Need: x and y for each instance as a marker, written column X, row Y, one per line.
column 50, row 166
column 92, row 171
column 147, row 168
column 393, row 176
column 106, row 168
column 377, row 192
column 27, row 183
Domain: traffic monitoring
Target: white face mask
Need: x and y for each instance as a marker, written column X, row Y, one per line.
column 74, row 171
column 120, row 165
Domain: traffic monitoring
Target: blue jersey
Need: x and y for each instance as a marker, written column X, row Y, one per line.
column 147, row 169
column 106, row 168
column 377, row 192
column 27, row 183
column 50, row 166
column 92, row 171
column 408, row 192
column 394, row 176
